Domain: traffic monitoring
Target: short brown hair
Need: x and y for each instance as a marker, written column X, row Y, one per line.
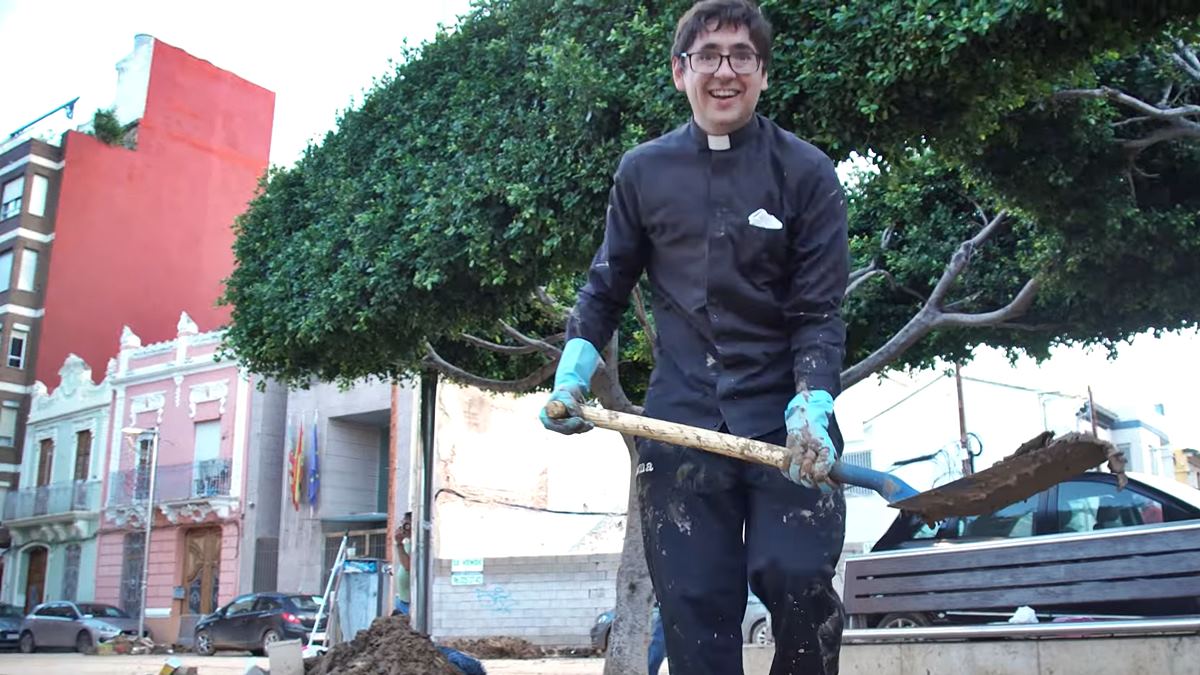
column 711, row 15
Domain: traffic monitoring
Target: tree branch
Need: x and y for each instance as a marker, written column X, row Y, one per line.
column 931, row 316
column 860, row 280
column 639, row 308
column 1176, row 118
column 1164, row 134
column 508, row 350
column 1185, row 58
column 549, row 350
column 559, row 310
column 1012, row 310
column 916, row 328
column 961, row 258
column 435, row 361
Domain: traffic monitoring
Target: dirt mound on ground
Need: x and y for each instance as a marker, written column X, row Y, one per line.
column 388, row 647
column 496, row 648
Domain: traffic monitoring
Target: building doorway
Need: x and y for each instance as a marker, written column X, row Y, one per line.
column 201, row 569
column 35, row 579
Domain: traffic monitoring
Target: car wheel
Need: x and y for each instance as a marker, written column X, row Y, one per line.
column 904, row 620
column 761, row 634
column 83, row 643
column 26, row 643
column 204, row 643
column 269, row 637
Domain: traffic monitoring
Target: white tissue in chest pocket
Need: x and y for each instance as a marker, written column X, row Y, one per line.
column 766, row 221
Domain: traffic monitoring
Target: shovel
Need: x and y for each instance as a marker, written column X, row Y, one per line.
column 1035, row 466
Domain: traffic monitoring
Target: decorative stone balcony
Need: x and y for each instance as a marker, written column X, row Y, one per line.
column 53, row 513
column 183, row 493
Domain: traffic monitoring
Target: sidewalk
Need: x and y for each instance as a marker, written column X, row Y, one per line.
column 77, row 664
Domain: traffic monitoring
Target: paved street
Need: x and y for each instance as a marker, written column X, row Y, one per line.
column 75, row 664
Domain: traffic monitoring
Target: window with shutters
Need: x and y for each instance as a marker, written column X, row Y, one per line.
column 6, row 268
column 17, row 341
column 83, row 454
column 37, row 195
column 45, row 461
column 10, row 205
column 8, row 426
column 27, row 274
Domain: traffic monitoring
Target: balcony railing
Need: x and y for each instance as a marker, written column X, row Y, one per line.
column 48, row 500
column 174, row 482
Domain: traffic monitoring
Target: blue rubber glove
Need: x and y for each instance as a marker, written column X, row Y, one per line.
column 807, row 418
column 571, row 383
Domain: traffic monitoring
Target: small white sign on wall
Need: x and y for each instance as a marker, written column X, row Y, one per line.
column 466, row 564
column 466, row 578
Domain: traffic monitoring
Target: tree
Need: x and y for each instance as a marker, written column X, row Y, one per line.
column 444, row 224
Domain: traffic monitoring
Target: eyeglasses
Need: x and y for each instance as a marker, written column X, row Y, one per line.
column 742, row 61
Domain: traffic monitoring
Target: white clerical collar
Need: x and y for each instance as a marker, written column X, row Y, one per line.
column 718, row 142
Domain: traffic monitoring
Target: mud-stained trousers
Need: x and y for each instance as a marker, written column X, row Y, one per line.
column 712, row 524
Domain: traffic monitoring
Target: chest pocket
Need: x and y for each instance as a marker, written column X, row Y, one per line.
column 760, row 253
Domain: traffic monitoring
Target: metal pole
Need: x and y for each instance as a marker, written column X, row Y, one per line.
column 968, row 463
column 149, row 526
column 422, row 569
column 1092, row 410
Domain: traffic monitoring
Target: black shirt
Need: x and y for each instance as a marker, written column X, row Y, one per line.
column 746, row 315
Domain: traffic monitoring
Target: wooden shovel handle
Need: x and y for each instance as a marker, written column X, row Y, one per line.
column 677, row 434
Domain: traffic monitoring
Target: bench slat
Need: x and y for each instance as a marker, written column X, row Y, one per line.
column 1184, row 562
column 1034, row 596
column 1032, row 550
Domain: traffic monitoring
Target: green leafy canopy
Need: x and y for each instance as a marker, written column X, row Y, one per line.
column 478, row 170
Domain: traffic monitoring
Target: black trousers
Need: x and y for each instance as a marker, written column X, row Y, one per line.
column 713, row 524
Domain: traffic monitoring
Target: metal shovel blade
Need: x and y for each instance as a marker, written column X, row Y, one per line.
column 1033, row 468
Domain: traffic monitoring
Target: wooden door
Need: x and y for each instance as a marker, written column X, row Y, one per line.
column 201, row 569
column 35, row 580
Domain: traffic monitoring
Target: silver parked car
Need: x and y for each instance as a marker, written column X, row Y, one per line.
column 756, row 625
column 80, row 625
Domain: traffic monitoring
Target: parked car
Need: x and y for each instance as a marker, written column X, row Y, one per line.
column 756, row 625
column 1080, row 511
column 256, row 620
column 10, row 625
column 80, row 625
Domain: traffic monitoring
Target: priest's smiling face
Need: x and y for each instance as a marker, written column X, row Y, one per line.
column 722, row 101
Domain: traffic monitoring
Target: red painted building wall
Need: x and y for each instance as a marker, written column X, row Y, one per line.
column 146, row 233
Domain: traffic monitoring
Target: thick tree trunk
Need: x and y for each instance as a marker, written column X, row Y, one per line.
column 630, row 636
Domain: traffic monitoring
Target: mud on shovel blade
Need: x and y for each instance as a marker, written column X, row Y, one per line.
column 886, row 485
column 1034, row 467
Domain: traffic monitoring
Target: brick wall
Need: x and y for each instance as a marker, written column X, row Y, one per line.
column 550, row 600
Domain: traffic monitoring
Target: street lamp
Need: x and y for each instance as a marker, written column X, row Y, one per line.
column 135, row 432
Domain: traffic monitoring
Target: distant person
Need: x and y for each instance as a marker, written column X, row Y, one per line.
column 403, row 569
column 402, row 606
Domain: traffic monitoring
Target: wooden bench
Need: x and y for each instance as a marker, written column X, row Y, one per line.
column 1048, row 573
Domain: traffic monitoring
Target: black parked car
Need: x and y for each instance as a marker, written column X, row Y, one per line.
column 254, row 621
column 10, row 625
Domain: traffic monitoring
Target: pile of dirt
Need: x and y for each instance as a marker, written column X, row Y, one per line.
column 497, row 648
column 388, row 647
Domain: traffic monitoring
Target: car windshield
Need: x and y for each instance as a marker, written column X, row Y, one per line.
column 103, row 611
column 305, row 603
column 10, row 611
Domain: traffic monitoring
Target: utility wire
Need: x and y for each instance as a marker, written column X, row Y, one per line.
column 525, row 507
